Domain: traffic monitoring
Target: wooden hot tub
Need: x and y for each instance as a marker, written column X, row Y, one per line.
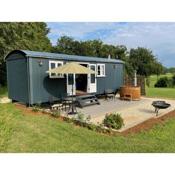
column 130, row 93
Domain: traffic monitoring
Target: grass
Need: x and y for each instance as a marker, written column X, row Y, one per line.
column 154, row 78
column 21, row 132
column 160, row 92
column 3, row 91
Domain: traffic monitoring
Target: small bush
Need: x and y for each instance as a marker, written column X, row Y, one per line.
column 35, row 108
column 82, row 118
column 162, row 82
column 88, row 118
column 113, row 121
column 56, row 114
column 92, row 127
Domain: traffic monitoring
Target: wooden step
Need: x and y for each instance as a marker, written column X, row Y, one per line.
column 87, row 100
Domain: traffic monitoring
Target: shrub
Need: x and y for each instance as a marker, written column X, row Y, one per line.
column 113, row 121
column 82, row 118
column 92, row 127
column 56, row 114
column 35, row 108
column 162, row 82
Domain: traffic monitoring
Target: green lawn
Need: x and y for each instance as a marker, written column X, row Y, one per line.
column 160, row 92
column 30, row 133
column 153, row 78
column 3, row 91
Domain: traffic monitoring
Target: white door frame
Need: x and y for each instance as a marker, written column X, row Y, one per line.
column 87, row 63
column 69, row 86
column 92, row 87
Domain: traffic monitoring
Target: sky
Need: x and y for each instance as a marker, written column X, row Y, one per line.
column 159, row 37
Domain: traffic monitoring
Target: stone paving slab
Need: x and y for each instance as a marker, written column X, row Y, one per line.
column 5, row 100
column 132, row 112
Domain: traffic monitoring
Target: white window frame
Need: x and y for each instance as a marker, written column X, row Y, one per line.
column 56, row 75
column 101, row 73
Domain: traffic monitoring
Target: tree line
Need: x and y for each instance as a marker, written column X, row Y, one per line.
column 34, row 36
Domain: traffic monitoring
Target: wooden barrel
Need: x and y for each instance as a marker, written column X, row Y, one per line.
column 130, row 92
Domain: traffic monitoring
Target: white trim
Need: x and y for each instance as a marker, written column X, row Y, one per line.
column 69, row 86
column 56, row 65
column 87, row 63
column 88, row 76
column 92, row 87
column 101, row 75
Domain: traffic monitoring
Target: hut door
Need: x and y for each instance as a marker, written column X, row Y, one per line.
column 70, row 81
column 92, row 81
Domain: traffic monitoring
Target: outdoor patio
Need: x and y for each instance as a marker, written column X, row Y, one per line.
column 133, row 112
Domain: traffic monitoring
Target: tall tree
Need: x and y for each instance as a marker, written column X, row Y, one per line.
column 140, row 59
column 28, row 35
column 65, row 45
column 144, row 62
column 94, row 48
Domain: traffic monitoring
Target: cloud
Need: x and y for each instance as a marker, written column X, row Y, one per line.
column 159, row 37
column 79, row 30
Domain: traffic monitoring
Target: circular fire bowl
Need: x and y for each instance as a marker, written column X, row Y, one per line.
column 160, row 105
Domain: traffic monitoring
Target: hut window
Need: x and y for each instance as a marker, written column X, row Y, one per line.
column 52, row 65
column 100, row 70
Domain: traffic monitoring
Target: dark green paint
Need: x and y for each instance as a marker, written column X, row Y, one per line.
column 29, row 83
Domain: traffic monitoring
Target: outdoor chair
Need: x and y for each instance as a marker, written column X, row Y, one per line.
column 109, row 94
column 66, row 104
column 55, row 104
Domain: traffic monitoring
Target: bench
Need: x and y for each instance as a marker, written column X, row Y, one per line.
column 86, row 100
column 57, row 107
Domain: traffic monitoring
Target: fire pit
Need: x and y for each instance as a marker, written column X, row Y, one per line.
column 160, row 105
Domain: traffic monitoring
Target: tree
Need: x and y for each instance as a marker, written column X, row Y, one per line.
column 140, row 59
column 94, row 48
column 64, row 45
column 68, row 45
column 143, row 60
column 28, row 35
column 170, row 70
column 158, row 68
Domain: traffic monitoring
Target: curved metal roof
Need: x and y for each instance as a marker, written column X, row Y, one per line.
column 58, row 56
